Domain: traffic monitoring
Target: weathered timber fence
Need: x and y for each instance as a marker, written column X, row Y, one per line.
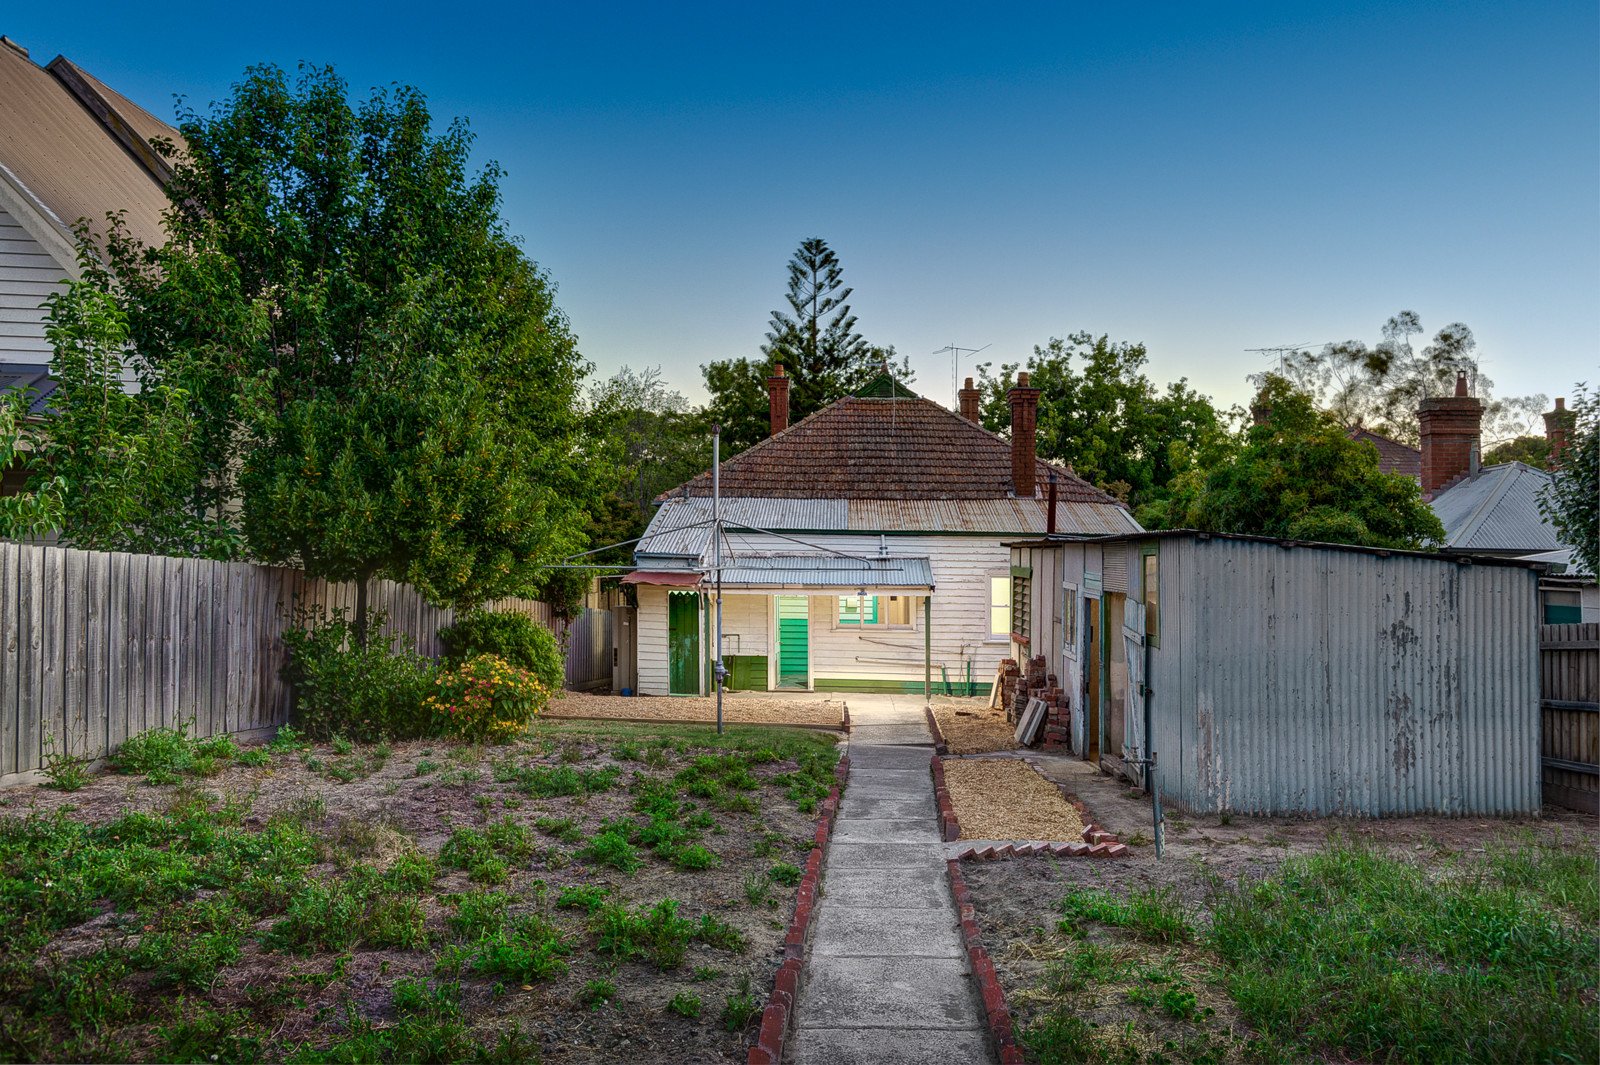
column 97, row 646
column 1569, row 687
column 589, row 651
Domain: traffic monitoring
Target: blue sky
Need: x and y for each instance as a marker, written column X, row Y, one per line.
column 1205, row 178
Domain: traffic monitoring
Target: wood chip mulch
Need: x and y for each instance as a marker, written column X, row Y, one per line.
column 1004, row 798
column 970, row 727
column 739, row 709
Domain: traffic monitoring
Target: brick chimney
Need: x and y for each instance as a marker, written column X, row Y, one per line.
column 968, row 398
column 1024, row 419
column 1450, row 430
column 1557, row 426
column 778, row 400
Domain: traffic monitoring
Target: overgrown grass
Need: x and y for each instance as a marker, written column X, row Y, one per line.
column 1373, row 958
column 1344, row 954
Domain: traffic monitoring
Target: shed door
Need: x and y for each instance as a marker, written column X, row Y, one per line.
column 1133, row 746
column 1072, row 663
column 683, row 643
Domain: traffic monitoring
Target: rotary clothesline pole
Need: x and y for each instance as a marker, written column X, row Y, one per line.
column 716, row 536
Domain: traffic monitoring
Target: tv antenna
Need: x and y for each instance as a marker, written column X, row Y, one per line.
column 955, row 369
column 1282, row 352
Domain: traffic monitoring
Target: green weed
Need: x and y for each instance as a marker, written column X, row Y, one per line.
column 596, row 993
column 740, row 1007
column 685, row 1004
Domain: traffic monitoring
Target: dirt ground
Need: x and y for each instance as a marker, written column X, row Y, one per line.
column 970, row 727
column 413, row 795
column 1004, row 798
column 1015, row 898
column 751, row 708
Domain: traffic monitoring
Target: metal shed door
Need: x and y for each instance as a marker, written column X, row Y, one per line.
column 1133, row 740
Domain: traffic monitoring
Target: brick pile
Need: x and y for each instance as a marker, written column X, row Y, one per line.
column 1019, row 685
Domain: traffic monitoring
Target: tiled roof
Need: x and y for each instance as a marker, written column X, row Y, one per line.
column 1498, row 510
column 71, row 162
column 871, row 448
column 1393, row 456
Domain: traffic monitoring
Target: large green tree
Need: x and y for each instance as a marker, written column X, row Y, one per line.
column 1298, row 475
column 816, row 341
column 1380, row 387
column 374, row 370
column 1572, row 501
column 1101, row 415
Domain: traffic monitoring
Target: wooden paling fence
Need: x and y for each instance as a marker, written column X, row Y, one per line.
column 97, row 646
column 1569, row 682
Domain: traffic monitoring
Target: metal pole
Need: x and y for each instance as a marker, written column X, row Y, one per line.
column 716, row 554
column 927, row 650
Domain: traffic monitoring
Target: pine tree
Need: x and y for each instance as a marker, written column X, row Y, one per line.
column 817, row 340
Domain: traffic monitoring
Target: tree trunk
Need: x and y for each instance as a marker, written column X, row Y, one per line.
column 361, row 610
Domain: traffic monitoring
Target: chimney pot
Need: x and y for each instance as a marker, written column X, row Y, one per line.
column 1461, row 383
column 967, row 400
column 1024, row 445
column 778, row 400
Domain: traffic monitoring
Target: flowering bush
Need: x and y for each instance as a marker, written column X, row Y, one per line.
column 487, row 698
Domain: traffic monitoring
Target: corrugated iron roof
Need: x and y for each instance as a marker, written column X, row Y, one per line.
column 828, row 571
column 1498, row 510
column 67, row 160
column 681, row 526
column 907, row 448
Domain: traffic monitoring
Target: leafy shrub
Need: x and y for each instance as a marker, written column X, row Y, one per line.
column 364, row 694
column 685, row 1004
column 516, row 638
column 486, row 698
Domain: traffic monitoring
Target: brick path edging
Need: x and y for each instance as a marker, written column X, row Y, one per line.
column 949, row 827
column 939, row 744
column 996, row 1012
column 779, row 1011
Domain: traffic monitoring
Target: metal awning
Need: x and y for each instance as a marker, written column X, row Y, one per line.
column 832, row 574
column 666, row 578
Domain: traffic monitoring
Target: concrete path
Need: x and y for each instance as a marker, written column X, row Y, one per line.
column 886, row 979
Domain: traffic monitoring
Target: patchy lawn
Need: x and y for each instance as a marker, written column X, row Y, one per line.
column 593, row 893
column 746, row 708
column 1477, row 947
column 970, row 727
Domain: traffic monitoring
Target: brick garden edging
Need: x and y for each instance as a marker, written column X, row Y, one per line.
column 949, row 827
column 1097, row 842
column 939, row 744
column 779, row 1012
column 996, row 1012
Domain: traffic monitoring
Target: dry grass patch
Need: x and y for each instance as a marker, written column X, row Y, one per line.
column 1002, row 798
column 740, row 709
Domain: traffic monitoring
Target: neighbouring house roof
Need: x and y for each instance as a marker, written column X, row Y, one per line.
column 28, row 375
column 78, row 149
column 1564, row 563
column 1498, row 510
column 1393, row 456
column 867, row 447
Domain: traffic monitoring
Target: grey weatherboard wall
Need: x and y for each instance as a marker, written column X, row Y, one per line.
column 1309, row 680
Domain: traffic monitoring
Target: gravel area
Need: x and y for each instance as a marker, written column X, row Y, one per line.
column 970, row 727
column 1002, row 798
column 742, row 708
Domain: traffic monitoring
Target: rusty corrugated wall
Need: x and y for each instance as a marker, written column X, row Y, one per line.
column 1306, row 680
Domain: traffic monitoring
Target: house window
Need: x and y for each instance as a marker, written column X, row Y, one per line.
column 1152, row 599
column 888, row 610
column 1000, row 607
column 1562, row 607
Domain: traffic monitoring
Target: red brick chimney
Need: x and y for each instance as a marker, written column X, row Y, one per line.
column 1024, row 419
column 1450, row 430
column 969, row 397
column 1557, row 424
column 778, row 400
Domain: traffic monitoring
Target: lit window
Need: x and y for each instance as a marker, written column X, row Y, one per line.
column 1000, row 606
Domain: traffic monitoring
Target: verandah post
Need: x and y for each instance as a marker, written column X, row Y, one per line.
column 927, row 650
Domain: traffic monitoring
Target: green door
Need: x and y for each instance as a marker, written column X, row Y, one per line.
column 794, row 641
column 683, row 643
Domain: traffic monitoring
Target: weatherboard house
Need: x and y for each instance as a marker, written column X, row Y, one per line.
column 863, row 549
